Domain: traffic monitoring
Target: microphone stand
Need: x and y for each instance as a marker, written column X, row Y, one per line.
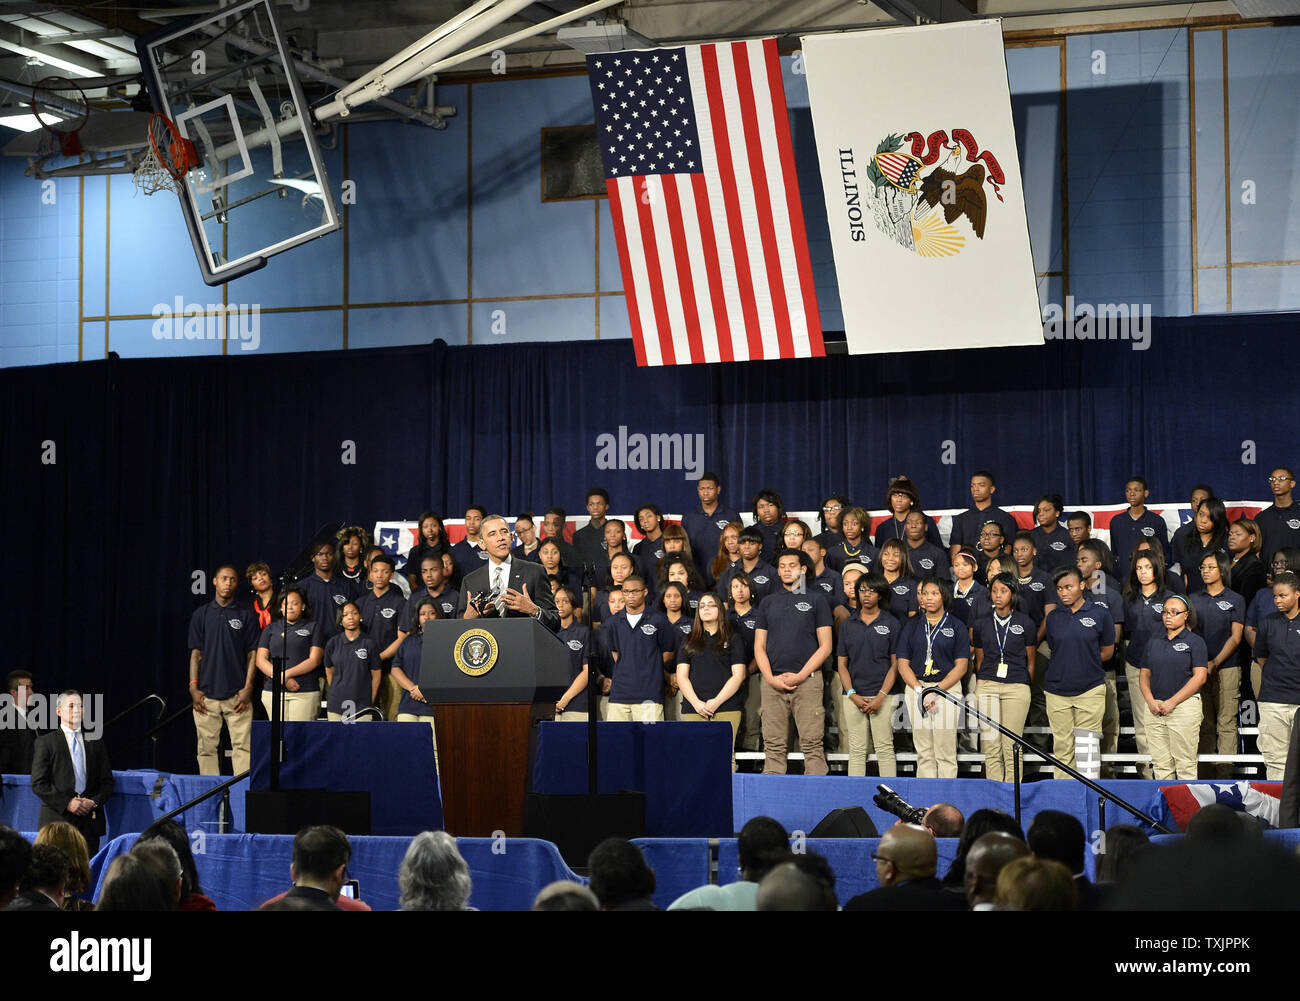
column 593, row 695
column 277, row 686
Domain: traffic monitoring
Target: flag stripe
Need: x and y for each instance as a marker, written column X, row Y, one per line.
column 643, row 192
column 747, row 99
column 682, row 261
column 731, row 202
column 670, row 278
column 614, row 188
column 793, row 203
column 709, row 244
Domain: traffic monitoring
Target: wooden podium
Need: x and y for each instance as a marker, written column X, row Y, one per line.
column 487, row 679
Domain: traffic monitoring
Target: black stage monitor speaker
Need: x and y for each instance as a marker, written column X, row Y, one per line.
column 846, row 822
column 288, row 811
column 577, row 824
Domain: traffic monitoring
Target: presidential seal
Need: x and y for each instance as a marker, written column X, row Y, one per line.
column 476, row 652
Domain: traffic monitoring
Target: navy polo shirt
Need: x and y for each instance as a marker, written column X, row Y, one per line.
column 763, row 576
column 892, row 528
column 902, row 598
column 1006, row 642
column 979, row 602
column 869, row 647
column 966, row 607
column 517, row 552
column 381, row 617
column 468, row 557
column 949, row 641
column 327, row 598
column 1055, row 548
column 407, row 659
column 705, row 530
column 1076, row 639
column 1261, row 607
column 966, row 526
column 1036, row 592
column 299, row 637
column 1106, row 593
column 1143, row 620
column 416, row 554
column 599, row 651
column 745, row 625
column 647, row 555
column 446, row 600
column 1125, row 532
column 355, row 576
column 639, row 673
column 1215, row 615
column 600, row 607
column 928, row 560
column 682, row 627
column 223, row 635
column 576, row 639
column 829, row 538
column 831, row 586
column 1190, row 553
column 840, row 554
column 710, row 671
column 791, row 621
column 772, row 540
column 1278, row 639
column 1171, row 662
column 1279, row 527
column 352, row 662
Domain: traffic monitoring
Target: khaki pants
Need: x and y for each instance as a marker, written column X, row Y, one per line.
column 240, row 725
column 338, row 718
column 1275, row 720
column 1173, row 738
column 864, row 732
column 635, row 712
column 934, row 736
column 1009, row 705
column 732, row 717
column 752, row 740
column 1219, row 699
column 1065, row 712
column 833, row 703
column 672, row 705
column 298, row 707
column 571, row 716
column 389, row 696
column 804, row 706
column 1140, row 715
column 1110, row 726
column 433, row 731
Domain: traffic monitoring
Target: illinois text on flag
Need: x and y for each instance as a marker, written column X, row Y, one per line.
column 695, row 145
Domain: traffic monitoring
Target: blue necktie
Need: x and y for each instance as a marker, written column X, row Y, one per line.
column 78, row 762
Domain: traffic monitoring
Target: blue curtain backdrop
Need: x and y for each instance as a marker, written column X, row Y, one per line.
column 165, row 467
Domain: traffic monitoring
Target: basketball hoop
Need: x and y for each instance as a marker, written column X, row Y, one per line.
column 62, row 109
column 168, row 158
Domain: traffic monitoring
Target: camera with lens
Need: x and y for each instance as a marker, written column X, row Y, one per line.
column 891, row 802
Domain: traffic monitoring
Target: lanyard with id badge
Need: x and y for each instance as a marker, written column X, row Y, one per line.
column 930, row 671
column 1001, row 637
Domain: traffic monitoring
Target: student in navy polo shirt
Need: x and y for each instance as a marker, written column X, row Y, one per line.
column 1137, row 522
column 868, row 667
column 414, row 707
column 672, row 603
column 744, row 620
column 761, row 575
column 676, row 544
column 526, row 541
column 383, row 615
column 1247, row 570
column 902, row 497
column 1198, row 495
column 650, row 550
column 1220, row 621
column 434, row 586
column 616, row 544
column 927, row 560
column 792, row 642
column 1145, row 592
column 469, row 553
column 852, row 545
column 621, row 568
column 1051, row 538
column 833, row 507
column 553, row 522
column 830, row 582
column 679, row 569
column 704, row 526
column 589, row 540
column 577, row 638
column 993, row 542
column 1037, row 595
column 301, row 642
column 1079, row 525
column 352, row 666
column 1081, row 635
column 1209, row 535
column 432, row 539
column 769, row 516
column 223, row 639
column 643, row 644
column 551, row 557
column 1173, row 672
column 728, row 555
column 350, row 557
column 897, row 571
column 933, row 652
column 325, row 590
column 967, row 526
column 970, row 598
column 1005, row 657
column 602, row 655
column 1279, row 523
column 711, row 666
column 1106, row 592
column 1277, row 648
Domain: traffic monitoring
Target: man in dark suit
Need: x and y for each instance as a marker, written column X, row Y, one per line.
column 906, row 860
column 18, row 734
column 1289, row 812
column 71, row 774
column 45, row 881
column 1059, row 836
column 521, row 584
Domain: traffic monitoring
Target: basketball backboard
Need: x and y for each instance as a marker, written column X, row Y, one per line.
column 227, row 80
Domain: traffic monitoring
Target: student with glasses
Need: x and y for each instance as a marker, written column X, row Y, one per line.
column 642, row 644
column 1173, row 672
column 832, row 508
column 933, row 652
column 711, row 665
column 1279, row 523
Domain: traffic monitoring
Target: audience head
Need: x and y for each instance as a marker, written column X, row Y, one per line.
column 1199, row 874
column 1218, row 824
column 136, row 883
column 48, row 872
column 174, row 834
column 980, row 822
column 944, row 820
column 565, row 895
column 434, row 876
column 164, row 856
column 63, row 835
column 988, row 856
column 762, row 844
column 15, row 854
column 1124, row 843
column 619, row 874
column 1058, row 836
column 320, row 858
column 906, row 851
column 801, row 883
column 1035, row 884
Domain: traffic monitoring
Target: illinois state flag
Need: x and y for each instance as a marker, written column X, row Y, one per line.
column 695, row 145
column 922, row 183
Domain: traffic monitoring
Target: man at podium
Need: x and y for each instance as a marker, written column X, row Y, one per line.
column 506, row 587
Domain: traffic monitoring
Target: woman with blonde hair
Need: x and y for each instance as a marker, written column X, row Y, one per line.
column 64, row 836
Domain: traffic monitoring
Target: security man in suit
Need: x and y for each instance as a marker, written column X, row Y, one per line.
column 71, row 775
column 17, row 732
column 520, row 585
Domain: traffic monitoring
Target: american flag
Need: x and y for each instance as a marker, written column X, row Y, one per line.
column 695, row 144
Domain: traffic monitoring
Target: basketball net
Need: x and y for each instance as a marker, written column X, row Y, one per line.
column 151, row 176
